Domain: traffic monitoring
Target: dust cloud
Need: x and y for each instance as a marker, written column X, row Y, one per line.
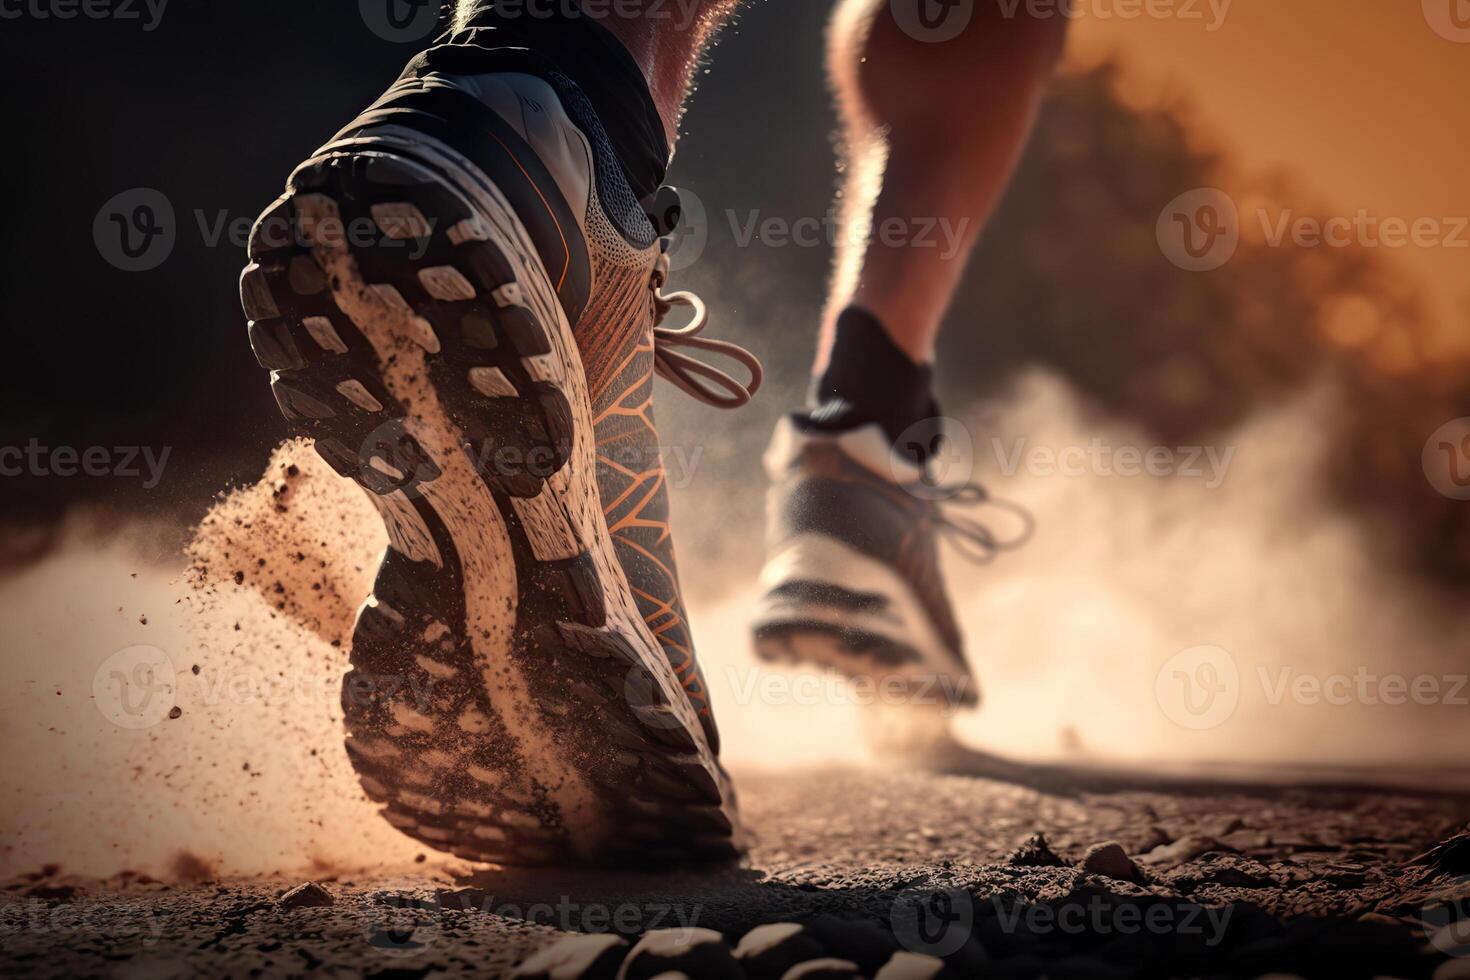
column 184, row 714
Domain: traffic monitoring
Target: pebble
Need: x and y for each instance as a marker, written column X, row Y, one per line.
column 1111, row 861
column 307, row 896
column 824, row 969
column 767, row 952
column 1184, row 849
column 579, row 957
column 700, row 953
column 911, row 966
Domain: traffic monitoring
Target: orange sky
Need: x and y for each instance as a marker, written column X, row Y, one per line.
column 1361, row 99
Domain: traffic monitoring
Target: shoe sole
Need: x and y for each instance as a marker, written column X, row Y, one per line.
column 505, row 701
column 831, row 607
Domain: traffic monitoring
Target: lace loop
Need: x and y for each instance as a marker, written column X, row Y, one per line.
column 973, row 540
column 698, row 379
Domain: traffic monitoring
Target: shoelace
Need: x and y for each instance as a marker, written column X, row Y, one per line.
column 698, row 379
column 971, row 539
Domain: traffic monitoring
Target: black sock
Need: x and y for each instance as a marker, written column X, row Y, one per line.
column 587, row 53
column 868, row 380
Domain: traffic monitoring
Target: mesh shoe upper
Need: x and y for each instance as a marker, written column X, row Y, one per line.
column 837, row 486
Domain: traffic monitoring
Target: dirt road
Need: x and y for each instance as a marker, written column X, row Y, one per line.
column 1224, row 881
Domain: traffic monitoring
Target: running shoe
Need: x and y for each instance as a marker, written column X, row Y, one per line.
column 456, row 299
column 852, row 581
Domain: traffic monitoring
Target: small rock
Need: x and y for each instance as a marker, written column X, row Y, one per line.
column 863, row 942
column 1155, row 837
column 578, row 957
column 824, row 969
column 767, row 952
column 1456, row 969
column 307, row 896
column 1035, row 852
column 1184, row 849
column 698, row 952
column 1448, row 857
column 1111, row 861
column 911, row 966
column 175, row 713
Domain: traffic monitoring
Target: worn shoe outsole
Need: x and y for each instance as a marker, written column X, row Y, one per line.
column 506, row 701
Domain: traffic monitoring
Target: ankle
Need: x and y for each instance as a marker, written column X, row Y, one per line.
column 870, row 380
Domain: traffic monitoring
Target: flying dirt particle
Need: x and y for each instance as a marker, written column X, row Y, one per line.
column 175, row 712
column 195, row 669
column 1035, row 852
column 420, row 858
column 187, row 866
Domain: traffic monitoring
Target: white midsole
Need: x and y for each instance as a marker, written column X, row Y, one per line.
column 823, row 560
